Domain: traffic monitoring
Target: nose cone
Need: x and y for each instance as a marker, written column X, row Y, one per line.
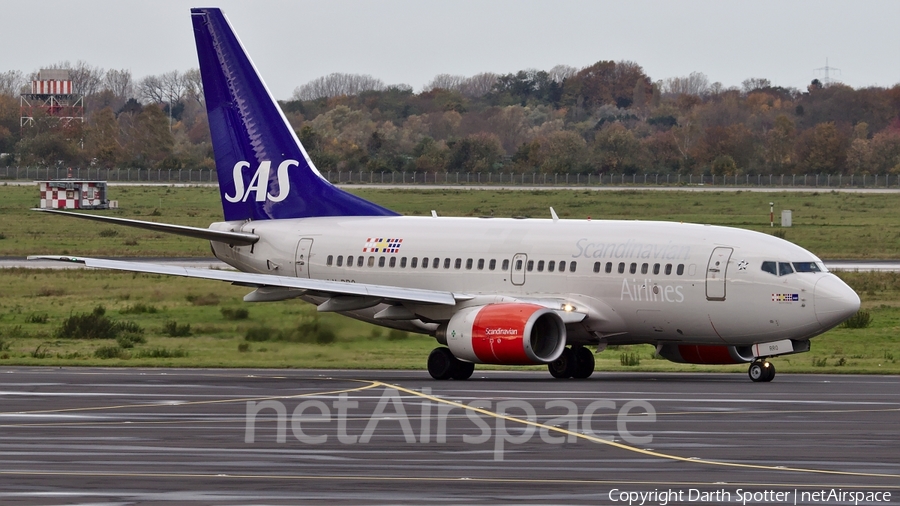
column 834, row 301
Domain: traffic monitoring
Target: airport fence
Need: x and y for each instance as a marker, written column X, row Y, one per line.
column 537, row 179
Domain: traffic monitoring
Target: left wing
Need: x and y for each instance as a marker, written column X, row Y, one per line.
column 270, row 287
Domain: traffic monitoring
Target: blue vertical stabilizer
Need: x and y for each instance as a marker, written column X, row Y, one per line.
column 264, row 172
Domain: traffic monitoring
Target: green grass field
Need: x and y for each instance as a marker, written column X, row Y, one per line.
column 831, row 225
column 34, row 304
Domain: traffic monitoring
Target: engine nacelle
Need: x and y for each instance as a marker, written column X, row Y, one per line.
column 706, row 354
column 506, row 333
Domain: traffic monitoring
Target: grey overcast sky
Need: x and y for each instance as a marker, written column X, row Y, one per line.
column 411, row 41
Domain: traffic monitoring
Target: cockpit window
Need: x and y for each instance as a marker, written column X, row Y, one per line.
column 784, row 268
column 770, row 267
column 806, row 267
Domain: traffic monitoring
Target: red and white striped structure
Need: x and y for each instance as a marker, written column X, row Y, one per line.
column 51, row 87
column 73, row 194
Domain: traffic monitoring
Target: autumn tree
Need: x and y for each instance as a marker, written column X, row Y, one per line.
column 616, row 150
column 474, row 153
column 102, row 139
column 822, row 149
column 606, row 82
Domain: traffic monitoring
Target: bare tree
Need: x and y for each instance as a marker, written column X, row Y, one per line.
column 86, row 80
column 755, row 83
column 445, row 82
column 475, row 86
column 193, row 85
column 560, row 73
column 151, row 89
column 12, row 82
column 479, row 84
column 119, row 83
column 335, row 85
column 696, row 84
column 173, row 84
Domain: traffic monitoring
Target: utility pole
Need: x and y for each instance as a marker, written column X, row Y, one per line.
column 827, row 70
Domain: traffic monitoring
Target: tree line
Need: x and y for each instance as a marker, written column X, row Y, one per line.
column 609, row 117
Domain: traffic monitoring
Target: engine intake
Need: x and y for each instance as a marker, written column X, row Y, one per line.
column 505, row 333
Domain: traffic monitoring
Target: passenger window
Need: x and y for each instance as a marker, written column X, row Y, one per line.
column 680, row 270
column 540, row 266
column 572, row 266
column 644, row 268
column 403, row 263
column 425, row 263
column 447, row 263
column 621, row 267
column 633, row 268
column 329, row 260
column 530, row 265
column 349, row 260
column 493, row 264
column 505, row 266
column 655, row 269
column 371, row 261
column 518, row 265
column 784, row 268
column 668, row 269
column 597, row 266
column 393, row 262
column 414, row 262
column 480, row 264
column 608, row 267
column 806, row 267
column 458, row 263
column 469, row 263
column 551, row 265
column 436, row 263
column 340, row 260
column 359, row 261
column 562, row 267
column 380, row 261
column 770, row 267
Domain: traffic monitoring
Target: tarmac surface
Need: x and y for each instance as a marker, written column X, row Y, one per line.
column 190, row 436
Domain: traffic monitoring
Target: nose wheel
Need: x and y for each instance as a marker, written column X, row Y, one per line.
column 761, row 371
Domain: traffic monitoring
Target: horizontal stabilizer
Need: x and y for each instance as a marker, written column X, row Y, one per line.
column 236, row 238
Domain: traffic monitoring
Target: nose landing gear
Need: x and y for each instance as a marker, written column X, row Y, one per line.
column 761, row 371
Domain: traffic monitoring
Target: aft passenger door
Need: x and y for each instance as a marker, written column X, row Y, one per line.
column 301, row 258
column 517, row 275
column 715, row 273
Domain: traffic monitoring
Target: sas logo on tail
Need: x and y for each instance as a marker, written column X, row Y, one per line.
column 260, row 182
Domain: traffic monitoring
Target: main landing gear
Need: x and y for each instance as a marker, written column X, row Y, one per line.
column 761, row 370
column 576, row 362
column 443, row 365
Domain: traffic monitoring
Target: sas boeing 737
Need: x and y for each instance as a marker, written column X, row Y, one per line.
column 489, row 290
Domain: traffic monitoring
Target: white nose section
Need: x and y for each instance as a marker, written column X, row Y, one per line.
column 834, row 301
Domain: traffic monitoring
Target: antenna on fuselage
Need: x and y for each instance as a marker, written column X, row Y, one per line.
column 433, row 213
column 553, row 215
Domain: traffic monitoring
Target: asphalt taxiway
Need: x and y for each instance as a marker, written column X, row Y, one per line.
column 139, row 436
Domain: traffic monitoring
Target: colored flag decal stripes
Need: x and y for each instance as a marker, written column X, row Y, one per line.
column 785, row 297
column 380, row 245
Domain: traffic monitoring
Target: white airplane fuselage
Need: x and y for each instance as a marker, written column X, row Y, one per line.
column 637, row 281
